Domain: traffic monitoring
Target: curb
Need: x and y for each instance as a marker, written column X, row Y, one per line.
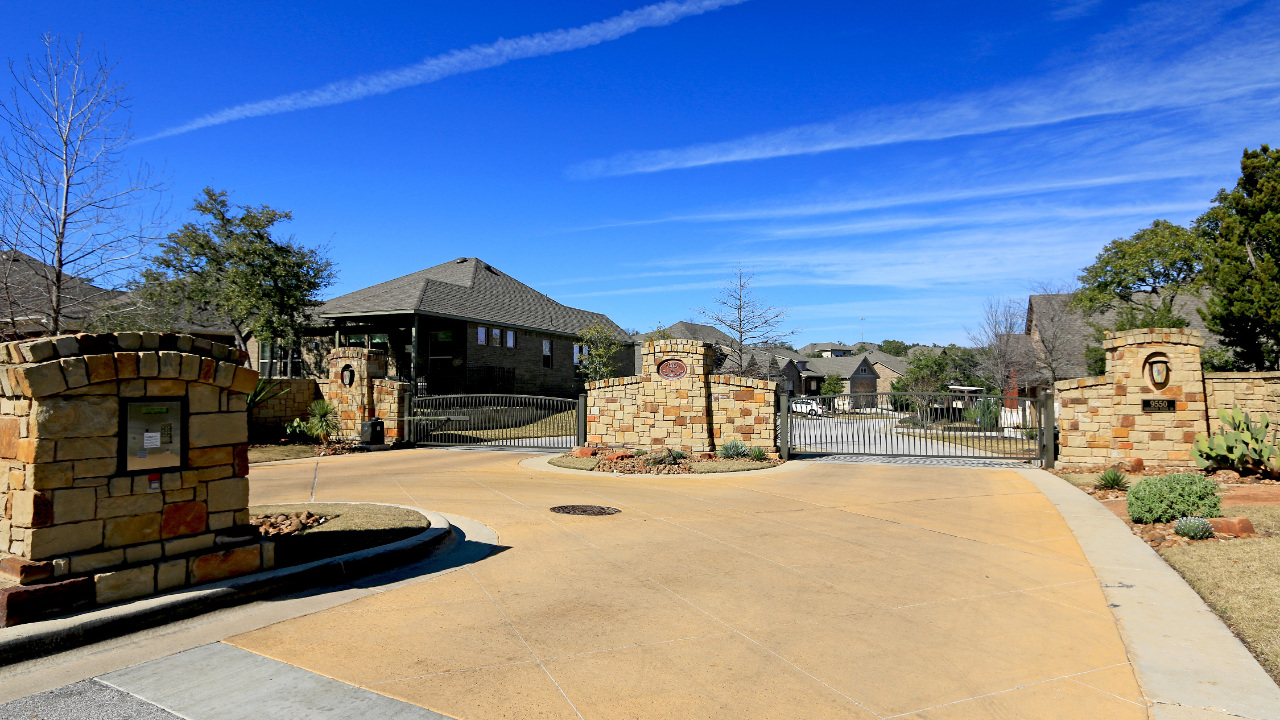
column 542, row 463
column 32, row 640
column 1189, row 664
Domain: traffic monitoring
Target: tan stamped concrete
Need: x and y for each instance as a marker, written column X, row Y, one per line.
column 832, row 591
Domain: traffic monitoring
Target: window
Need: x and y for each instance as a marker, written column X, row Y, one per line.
column 511, row 338
column 862, row 370
column 546, row 354
column 495, row 337
column 275, row 362
column 579, row 352
column 482, row 336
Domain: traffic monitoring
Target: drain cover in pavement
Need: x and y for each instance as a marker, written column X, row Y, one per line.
column 585, row 510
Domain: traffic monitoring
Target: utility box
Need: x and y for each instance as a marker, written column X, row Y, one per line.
column 371, row 432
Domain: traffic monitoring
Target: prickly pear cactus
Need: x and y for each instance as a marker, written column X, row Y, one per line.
column 1193, row 528
column 1241, row 445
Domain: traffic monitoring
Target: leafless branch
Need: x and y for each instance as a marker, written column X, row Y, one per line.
column 747, row 320
column 76, row 218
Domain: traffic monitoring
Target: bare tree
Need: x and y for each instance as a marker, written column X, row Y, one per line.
column 1002, row 348
column 76, row 218
column 1054, row 328
column 747, row 320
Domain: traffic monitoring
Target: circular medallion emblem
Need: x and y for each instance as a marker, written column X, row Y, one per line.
column 672, row 369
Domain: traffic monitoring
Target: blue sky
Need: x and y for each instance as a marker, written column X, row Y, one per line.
column 898, row 162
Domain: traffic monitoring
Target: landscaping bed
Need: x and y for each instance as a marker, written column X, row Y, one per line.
column 1236, row 570
column 639, row 462
column 349, row 527
column 1241, row 582
column 295, row 451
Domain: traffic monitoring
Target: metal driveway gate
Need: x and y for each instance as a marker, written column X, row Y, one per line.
column 935, row 425
column 527, row 421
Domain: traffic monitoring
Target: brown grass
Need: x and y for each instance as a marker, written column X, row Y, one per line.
column 1240, row 580
column 353, row 527
column 1015, row 447
column 719, row 466
column 575, row 463
column 269, row 453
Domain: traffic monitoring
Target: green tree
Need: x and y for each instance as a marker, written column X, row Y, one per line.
column 1144, row 272
column 1242, row 262
column 1128, row 318
column 896, row 348
column 832, row 385
column 229, row 268
column 602, row 347
column 1139, row 277
column 927, row 372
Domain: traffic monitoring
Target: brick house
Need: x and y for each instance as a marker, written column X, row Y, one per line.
column 466, row 327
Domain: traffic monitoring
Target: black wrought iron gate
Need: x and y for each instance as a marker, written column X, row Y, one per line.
column 935, row 425
column 527, row 421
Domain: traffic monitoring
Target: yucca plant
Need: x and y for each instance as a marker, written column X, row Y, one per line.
column 733, row 450
column 1111, row 479
column 757, row 453
column 322, row 421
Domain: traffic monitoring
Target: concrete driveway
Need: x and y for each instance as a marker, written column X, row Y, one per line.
column 826, row 591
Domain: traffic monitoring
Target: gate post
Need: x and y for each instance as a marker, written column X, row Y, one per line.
column 582, row 420
column 1047, row 422
column 784, row 426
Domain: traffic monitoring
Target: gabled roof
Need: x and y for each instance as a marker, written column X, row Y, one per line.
column 842, row 366
column 825, row 347
column 25, row 289
column 468, row 289
column 685, row 330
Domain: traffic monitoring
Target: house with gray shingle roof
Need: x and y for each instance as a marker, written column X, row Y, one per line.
column 465, row 326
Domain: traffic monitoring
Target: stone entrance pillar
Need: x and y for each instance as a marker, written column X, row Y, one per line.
column 1149, row 405
column 358, row 386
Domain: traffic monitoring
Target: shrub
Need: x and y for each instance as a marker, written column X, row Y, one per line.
column 758, row 454
column 322, row 421
column 1193, row 528
column 1111, row 479
column 984, row 413
column 1169, row 497
column 733, row 450
column 1241, row 445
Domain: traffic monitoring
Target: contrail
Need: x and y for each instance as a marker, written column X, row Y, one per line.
column 456, row 62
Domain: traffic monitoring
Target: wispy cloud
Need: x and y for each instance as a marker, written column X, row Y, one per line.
column 457, row 62
column 1072, row 9
column 1230, row 64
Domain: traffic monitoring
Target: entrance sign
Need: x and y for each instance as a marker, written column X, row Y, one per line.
column 153, row 435
column 1150, row 405
column 672, row 369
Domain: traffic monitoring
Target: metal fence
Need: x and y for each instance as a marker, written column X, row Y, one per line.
column 528, row 421
column 941, row 425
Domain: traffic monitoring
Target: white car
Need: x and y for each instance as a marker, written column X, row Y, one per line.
column 808, row 407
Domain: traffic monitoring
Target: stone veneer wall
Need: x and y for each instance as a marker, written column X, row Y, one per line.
column 294, row 402
column 76, row 530
column 370, row 396
column 1254, row 393
column 693, row 413
column 1102, row 420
